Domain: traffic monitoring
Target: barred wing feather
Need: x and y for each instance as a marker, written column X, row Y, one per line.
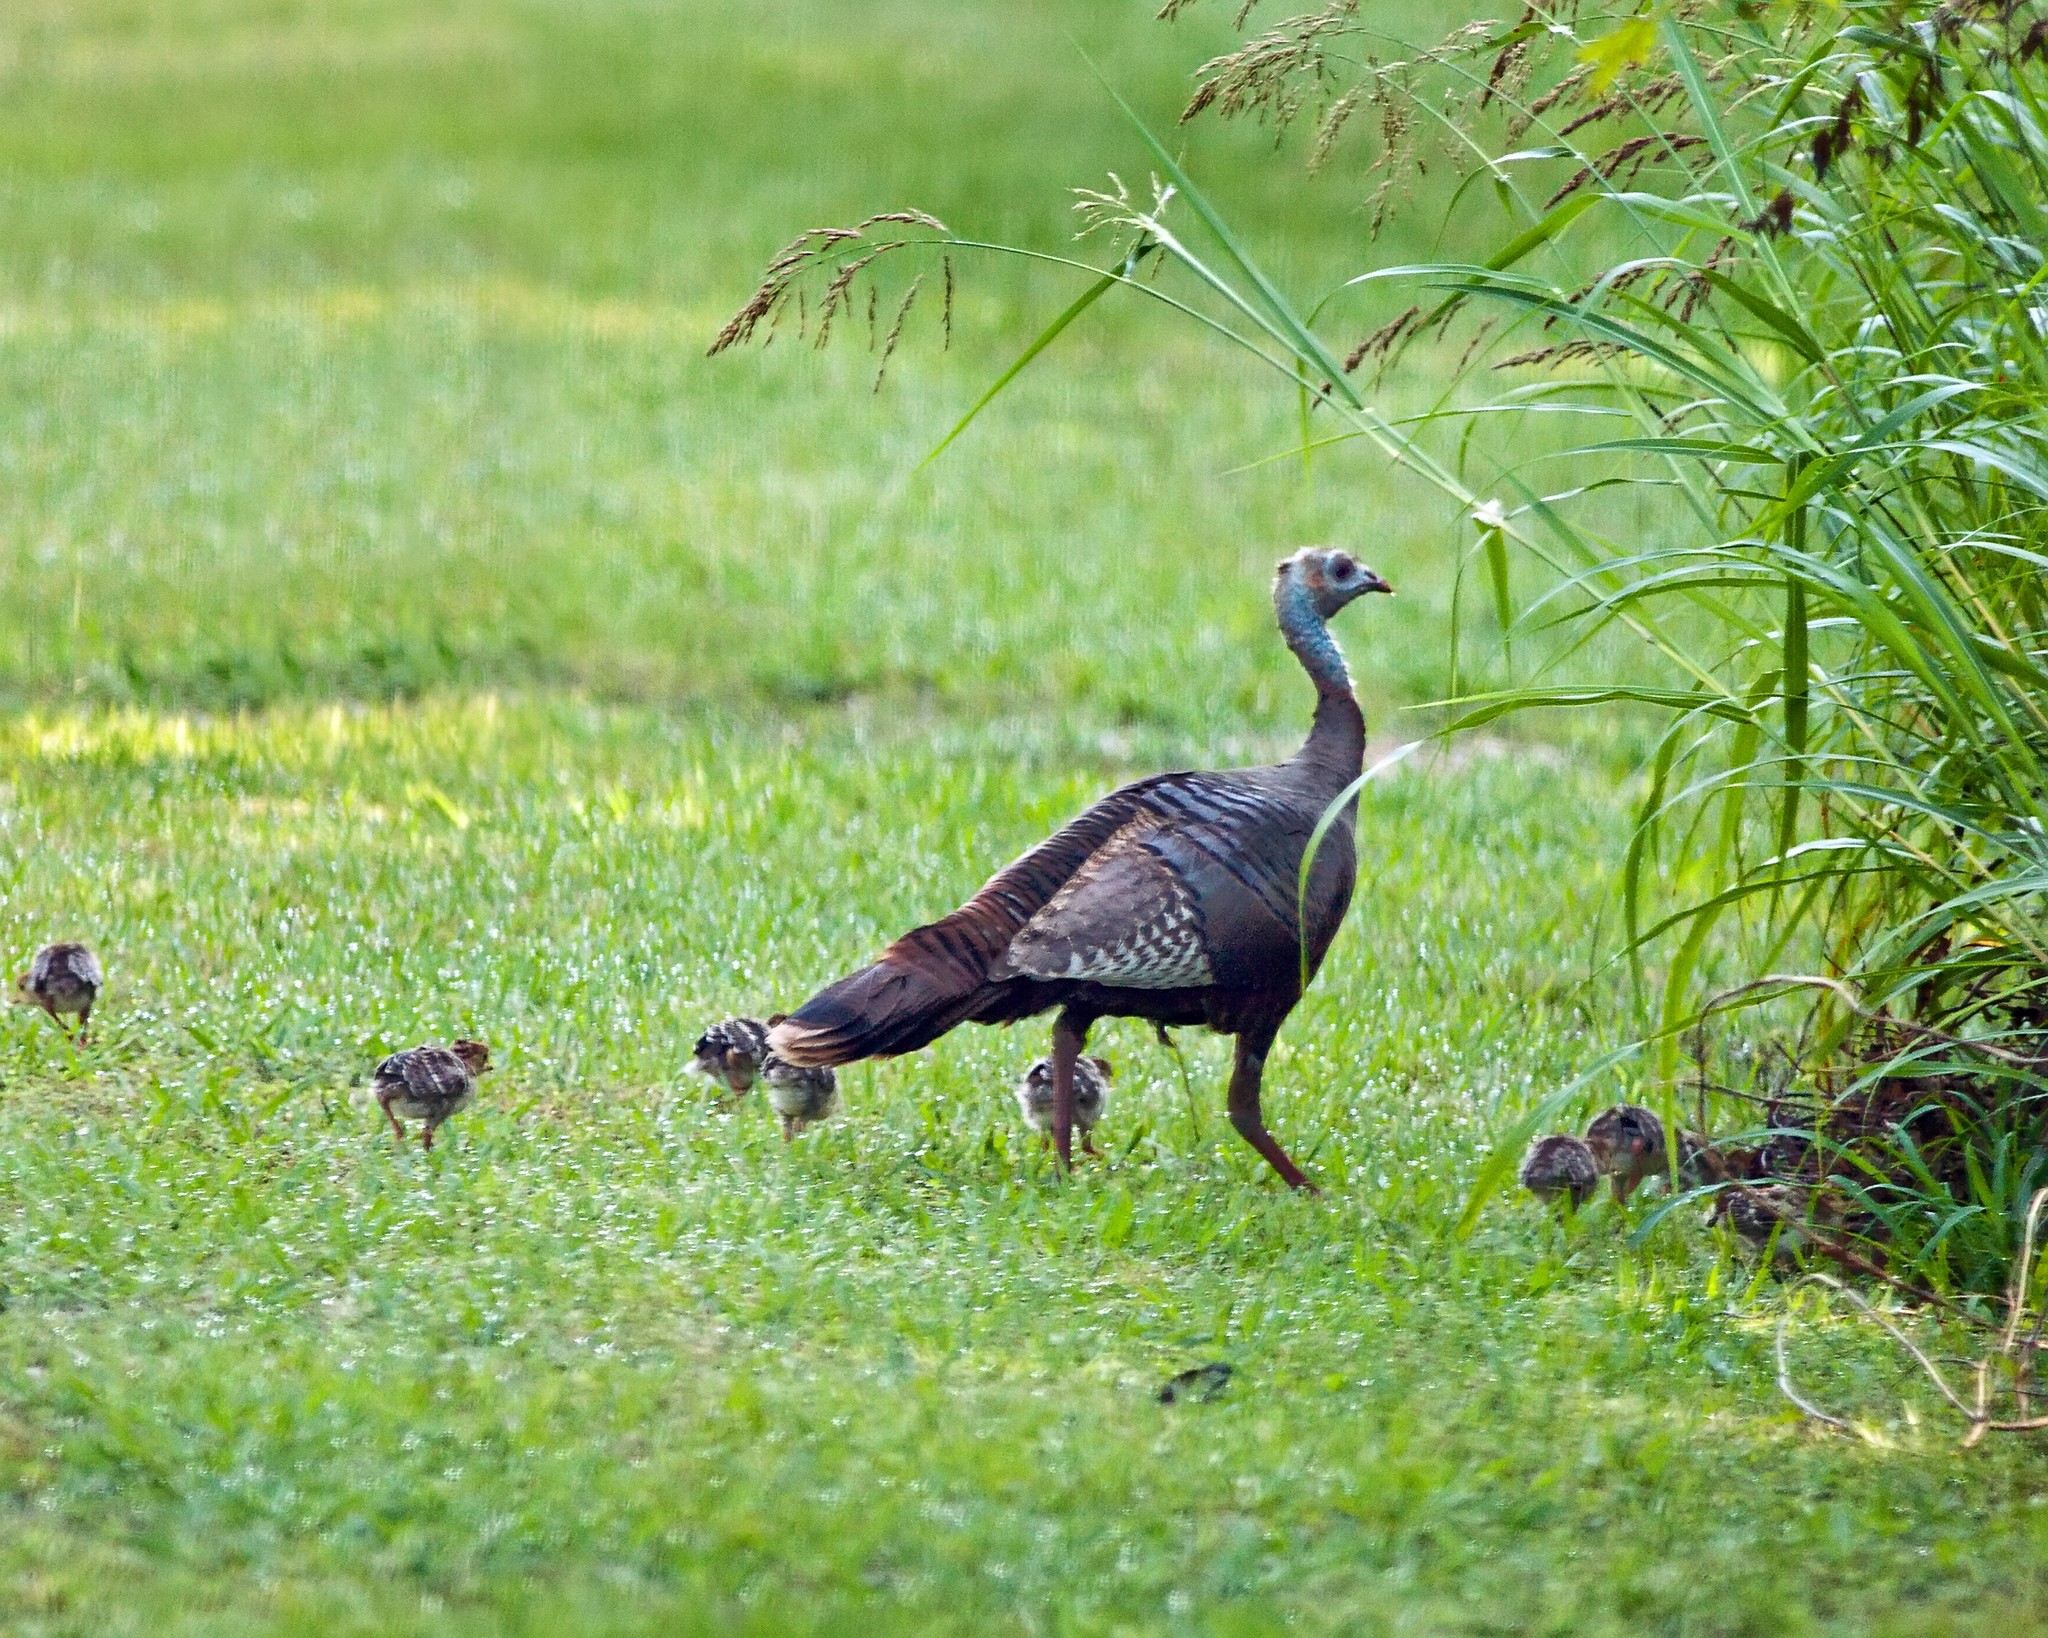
column 1124, row 918
column 427, row 1073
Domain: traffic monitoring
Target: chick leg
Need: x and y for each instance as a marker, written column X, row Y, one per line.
column 427, row 1137
column 788, row 1127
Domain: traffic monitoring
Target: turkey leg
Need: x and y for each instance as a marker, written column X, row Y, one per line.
column 1245, row 1113
column 1069, row 1035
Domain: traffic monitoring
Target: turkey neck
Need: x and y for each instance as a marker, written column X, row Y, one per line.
column 1334, row 752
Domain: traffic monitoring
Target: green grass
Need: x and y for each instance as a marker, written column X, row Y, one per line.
column 256, row 1361
column 408, row 632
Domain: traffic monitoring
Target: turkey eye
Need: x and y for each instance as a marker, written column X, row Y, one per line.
column 1342, row 567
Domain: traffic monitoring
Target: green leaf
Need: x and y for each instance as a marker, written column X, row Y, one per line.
column 1493, row 543
column 1297, row 334
column 1631, row 43
column 1488, row 707
column 423, row 793
column 1794, row 673
column 1553, row 223
column 1642, row 843
column 1329, row 817
column 1116, row 1228
column 1795, row 335
column 1699, row 449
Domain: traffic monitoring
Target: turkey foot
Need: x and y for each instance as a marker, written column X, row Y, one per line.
column 1245, row 1111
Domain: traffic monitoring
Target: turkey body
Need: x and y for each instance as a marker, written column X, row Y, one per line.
column 1176, row 899
column 1197, row 877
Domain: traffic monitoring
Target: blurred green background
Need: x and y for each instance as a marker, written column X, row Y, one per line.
column 360, row 348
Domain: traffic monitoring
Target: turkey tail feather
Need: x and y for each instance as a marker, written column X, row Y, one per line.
column 936, row 976
column 878, row 1012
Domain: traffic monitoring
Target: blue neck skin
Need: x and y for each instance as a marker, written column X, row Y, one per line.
column 1310, row 638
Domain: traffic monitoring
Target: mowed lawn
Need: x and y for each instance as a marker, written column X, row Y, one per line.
column 409, row 633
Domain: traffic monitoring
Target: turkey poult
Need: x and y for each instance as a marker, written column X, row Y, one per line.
column 731, row 1053
column 1788, row 1212
column 1561, row 1168
column 64, row 980
column 1091, row 1097
column 1628, row 1144
column 1174, row 900
column 429, row 1084
column 1702, row 1160
column 801, row 1095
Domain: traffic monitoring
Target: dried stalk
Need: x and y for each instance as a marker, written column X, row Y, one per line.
column 1849, row 998
column 1977, row 1410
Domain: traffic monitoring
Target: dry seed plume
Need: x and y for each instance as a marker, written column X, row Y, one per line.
column 836, row 267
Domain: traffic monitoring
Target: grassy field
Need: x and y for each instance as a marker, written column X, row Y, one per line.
column 409, row 632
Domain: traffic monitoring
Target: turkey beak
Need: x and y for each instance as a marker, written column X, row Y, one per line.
column 1373, row 583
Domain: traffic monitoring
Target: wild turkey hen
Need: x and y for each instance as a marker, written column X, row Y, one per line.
column 1173, row 899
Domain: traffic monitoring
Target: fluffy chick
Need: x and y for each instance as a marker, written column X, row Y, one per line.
column 1091, row 1097
column 1561, row 1167
column 731, row 1054
column 1790, row 1210
column 1628, row 1145
column 802, row 1097
column 429, row 1084
column 62, row 979
column 1703, row 1160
